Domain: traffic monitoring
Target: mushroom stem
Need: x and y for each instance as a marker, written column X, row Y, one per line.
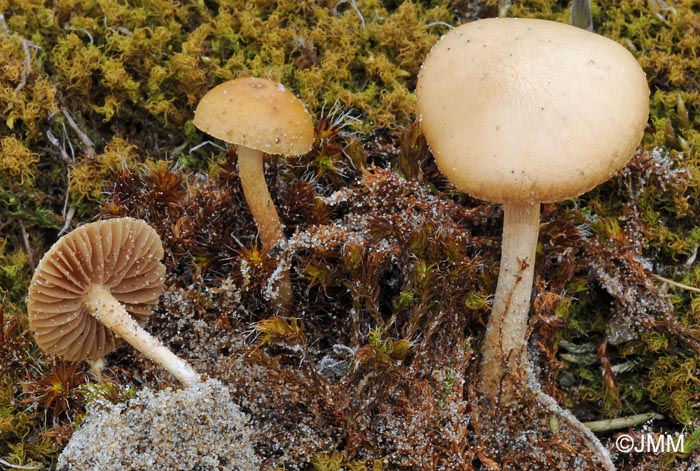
column 504, row 360
column 251, row 169
column 105, row 308
column 250, row 166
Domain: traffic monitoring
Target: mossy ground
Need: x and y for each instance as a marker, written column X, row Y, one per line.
column 373, row 366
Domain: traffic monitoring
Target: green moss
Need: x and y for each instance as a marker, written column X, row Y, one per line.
column 18, row 444
column 337, row 462
column 149, row 63
column 13, row 266
column 89, row 176
column 673, row 384
column 655, row 342
column 18, row 162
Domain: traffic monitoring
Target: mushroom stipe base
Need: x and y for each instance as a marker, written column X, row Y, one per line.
column 505, row 342
column 252, row 169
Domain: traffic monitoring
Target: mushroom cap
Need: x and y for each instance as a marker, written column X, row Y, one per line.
column 530, row 111
column 122, row 255
column 257, row 113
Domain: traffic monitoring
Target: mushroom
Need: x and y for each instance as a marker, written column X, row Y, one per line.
column 259, row 117
column 97, row 282
column 522, row 112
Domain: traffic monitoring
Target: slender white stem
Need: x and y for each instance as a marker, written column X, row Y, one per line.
column 106, row 309
column 506, row 372
column 504, row 361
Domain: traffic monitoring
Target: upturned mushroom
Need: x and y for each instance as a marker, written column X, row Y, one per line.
column 523, row 112
column 258, row 116
column 96, row 283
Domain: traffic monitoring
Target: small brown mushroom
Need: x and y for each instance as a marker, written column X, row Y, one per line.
column 100, row 280
column 523, row 112
column 259, row 117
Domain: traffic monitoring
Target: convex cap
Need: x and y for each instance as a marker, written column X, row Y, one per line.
column 530, row 111
column 257, row 113
column 123, row 256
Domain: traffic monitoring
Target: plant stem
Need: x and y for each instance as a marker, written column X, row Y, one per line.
column 504, row 361
column 107, row 310
column 622, row 422
column 581, row 16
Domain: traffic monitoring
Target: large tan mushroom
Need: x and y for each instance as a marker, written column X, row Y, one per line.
column 259, row 117
column 98, row 282
column 521, row 112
